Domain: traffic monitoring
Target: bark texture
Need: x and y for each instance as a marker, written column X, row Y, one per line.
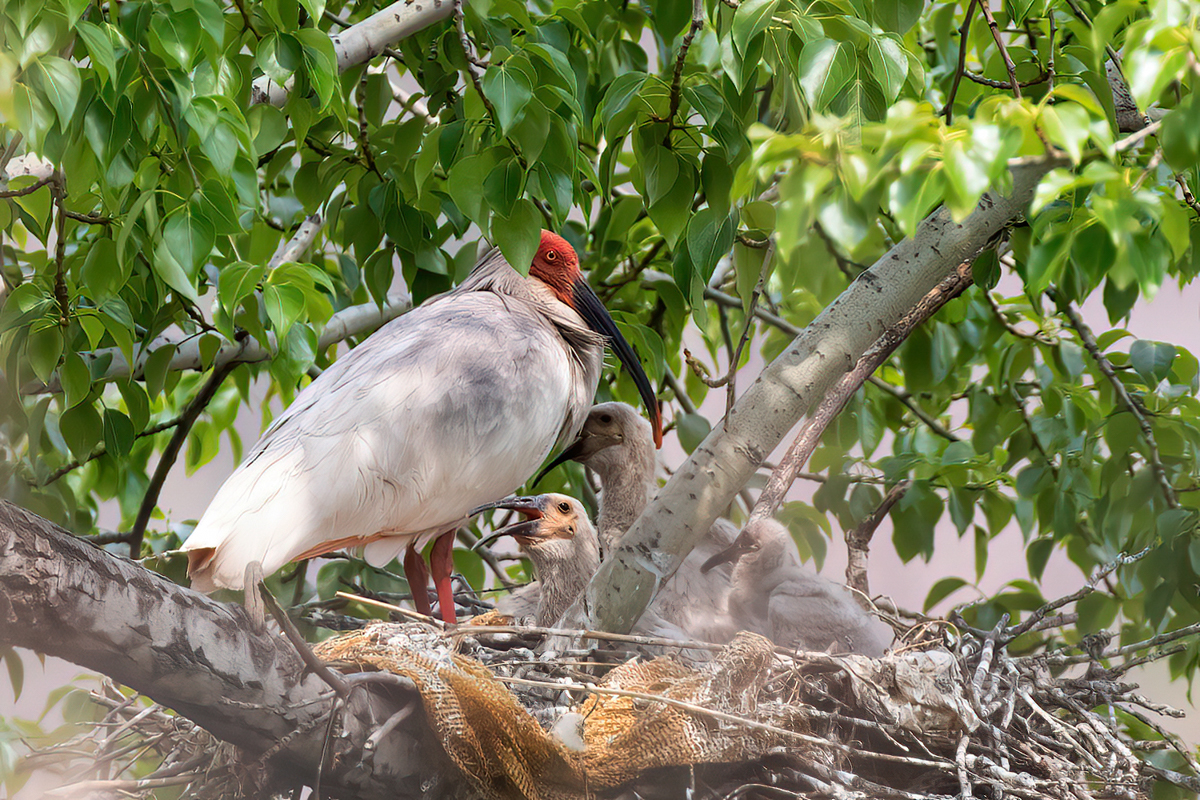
column 705, row 484
column 64, row 597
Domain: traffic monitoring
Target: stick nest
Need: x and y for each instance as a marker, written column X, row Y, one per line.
column 949, row 712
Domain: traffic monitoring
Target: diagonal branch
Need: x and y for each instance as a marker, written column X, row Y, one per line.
column 1088, row 339
column 837, row 398
column 962, row 62
column 171, row 452
column 999, row 39
column 365, row 40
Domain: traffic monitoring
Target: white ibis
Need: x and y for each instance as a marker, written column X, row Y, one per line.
column 617, row 444
column 451, row 405
column 793, row 607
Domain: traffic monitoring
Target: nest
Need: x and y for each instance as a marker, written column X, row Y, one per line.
column 949, row 712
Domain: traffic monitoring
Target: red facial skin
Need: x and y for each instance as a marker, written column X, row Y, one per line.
column 556, row 265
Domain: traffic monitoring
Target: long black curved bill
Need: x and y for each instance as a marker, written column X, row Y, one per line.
column 596, row 315
column 562, row 458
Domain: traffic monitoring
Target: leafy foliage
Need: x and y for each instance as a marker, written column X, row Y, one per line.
column 820, row 125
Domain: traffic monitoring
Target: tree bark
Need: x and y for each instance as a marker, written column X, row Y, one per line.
column 365, row 40
column 351, row 321
column 706, row 483
column 63, row 597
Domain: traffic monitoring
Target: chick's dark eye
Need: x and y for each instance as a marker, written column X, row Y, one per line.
column 564, row 507
column 606, row 418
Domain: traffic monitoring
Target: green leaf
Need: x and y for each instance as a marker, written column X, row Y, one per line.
column 660, row 168
column 503, row 186
column 75, row 379
column 889, row 65
column 118, row 433
column 44, row 348
column 709, row 237
column 81, row 428
column 16, row 671
column 941, row 590
column 751, row 18
column 100, row 48
column 508, row 89
column 692, row 428
column 320, row 63
column 518, row 235
column 826, row 67
column 284, row 304
column 671, row 213
column 465, row 188
column 176, row 32
column 60, row 82
column 898, row 16
column 1151, row 360
column 1017, row 10
column 670, row 16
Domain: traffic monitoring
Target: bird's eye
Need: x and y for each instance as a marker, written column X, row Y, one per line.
column 606, row 418
column 564, row 507
column 551, row 255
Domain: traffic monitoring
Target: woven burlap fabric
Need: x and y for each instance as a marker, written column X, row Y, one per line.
column 505, row 755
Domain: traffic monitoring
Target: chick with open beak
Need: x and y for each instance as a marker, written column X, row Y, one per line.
column 560, row 540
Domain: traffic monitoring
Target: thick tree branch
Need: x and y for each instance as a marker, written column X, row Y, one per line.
column 305, row 235
column 840, row 395
column 348, row 322
column 63, row 597
column 686, row 507
column 365, row 40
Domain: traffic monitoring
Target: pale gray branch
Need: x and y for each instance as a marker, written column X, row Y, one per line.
column 348, row 322
column 365, row 40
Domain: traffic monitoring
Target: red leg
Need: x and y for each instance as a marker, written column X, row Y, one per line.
column 418, row 579
column 441, row 563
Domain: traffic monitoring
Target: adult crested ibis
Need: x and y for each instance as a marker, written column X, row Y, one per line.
column 617, row 443
column 452, row 405
column 793, row 607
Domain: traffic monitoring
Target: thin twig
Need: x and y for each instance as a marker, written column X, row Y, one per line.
column 995, row 84
column 313, row 664
column 1089, row 587
column 677, row 79
column 999, row 39
column 760, row 288
column 904, row 397
column 963, row 33
column 30, row 189
column 858, row 539
column 1188, row 197
column 171, row 452
column 101, row 449
column 1092, row 346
